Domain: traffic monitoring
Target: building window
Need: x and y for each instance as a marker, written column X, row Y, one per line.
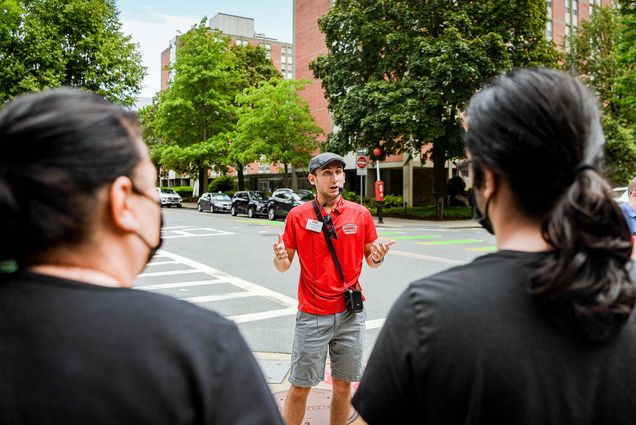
column 241, row 42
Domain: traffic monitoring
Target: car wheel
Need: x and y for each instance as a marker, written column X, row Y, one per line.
column 271, row 214
column 250, row 212
column 233, row 211
column 169, row 205
column 199, row 207
column 212, row 208
column 178, row 205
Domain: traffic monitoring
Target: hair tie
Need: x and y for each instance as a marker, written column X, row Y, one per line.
column 582, row 167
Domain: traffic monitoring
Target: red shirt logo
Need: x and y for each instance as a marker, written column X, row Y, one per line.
column 350, row 229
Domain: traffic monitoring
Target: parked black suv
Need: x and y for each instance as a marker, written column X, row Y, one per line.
column 283, row 200
column 249, row 202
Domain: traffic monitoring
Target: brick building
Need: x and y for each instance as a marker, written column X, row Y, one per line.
column 564, row 17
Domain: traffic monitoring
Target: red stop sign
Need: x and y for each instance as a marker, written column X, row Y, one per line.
column 361, row 162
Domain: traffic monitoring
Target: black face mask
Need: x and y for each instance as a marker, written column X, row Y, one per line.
column 482, row 219
column 154, row 249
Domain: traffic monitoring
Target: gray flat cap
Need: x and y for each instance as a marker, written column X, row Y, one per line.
column 324, row 159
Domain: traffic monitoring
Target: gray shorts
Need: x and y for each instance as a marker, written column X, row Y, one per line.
column 343, row 333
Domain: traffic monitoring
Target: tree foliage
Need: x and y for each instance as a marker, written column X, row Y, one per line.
column 595, row 57
column 79, row 43
column 197, row 106
column 275, row 125
column 398, row 72
column 626, row 81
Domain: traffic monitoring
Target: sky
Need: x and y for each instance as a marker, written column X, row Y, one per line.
column 154, row 23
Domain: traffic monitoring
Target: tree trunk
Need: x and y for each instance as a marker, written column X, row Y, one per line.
column 203, row 180
column 294, row 178
column 241, row 177
column 440, row 175
column 286, row 175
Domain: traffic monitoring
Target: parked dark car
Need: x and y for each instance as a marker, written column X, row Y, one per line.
column 214, row 202
column 250, row 202
column 283, row 200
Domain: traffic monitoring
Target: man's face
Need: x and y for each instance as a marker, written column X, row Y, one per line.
column 328, row 179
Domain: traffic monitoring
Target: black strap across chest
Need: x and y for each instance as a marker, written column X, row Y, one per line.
column 329, row 242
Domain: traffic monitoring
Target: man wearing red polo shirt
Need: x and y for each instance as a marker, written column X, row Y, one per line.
column 323, row 322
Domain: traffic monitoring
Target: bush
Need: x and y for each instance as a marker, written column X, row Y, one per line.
column 223, row 184
column 391, row 201
column 429, row 212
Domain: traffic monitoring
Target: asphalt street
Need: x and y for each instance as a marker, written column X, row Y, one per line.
column 225, row 263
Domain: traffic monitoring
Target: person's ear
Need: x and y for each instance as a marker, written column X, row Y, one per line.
column 312, row 179
column 121, row 199
column 490, row 183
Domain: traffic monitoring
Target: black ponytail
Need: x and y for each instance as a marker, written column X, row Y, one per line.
column 540, row 130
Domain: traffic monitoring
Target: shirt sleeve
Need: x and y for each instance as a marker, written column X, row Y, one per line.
column 387, row 392
column 370, row 233
column 289, row 234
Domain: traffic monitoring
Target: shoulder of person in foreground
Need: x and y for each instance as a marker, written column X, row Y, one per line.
column 228, row 372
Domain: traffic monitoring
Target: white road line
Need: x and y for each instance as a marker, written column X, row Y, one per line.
column 192, row 235
column 243, row 284
column 212, row 298
column 431, row 258
column 161, row 263
column 253, row 317
column 168, row 273
column 374, row 324
column 180, row 284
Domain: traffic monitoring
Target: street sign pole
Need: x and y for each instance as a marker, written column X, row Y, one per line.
column 361, row 166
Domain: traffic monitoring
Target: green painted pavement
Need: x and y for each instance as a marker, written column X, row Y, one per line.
column 451, row 242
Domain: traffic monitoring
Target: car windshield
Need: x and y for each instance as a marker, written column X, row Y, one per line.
column 171, row 191
column 221, row 197
column 303, row 196
column 258, row 196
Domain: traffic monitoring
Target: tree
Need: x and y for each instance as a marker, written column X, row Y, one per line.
column 78, row 43
column 398, row 73
column 594, row 57
column 197, row 106
column 253, row 67
column 626, row 81
column 275, row 124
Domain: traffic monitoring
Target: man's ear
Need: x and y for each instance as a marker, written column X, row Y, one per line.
column 312, row 179
column 490, row 183
column 121, row 196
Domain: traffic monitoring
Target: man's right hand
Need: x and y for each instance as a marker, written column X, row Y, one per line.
column 279, row 248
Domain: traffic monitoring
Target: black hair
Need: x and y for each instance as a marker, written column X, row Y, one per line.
column 58, row 148
column 540, row 129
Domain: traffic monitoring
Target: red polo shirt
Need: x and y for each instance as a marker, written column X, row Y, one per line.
column 320, row 288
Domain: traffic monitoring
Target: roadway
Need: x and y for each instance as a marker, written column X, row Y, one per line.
column 224, row 263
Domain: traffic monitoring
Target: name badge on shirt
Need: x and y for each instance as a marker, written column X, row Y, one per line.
column 313, row 225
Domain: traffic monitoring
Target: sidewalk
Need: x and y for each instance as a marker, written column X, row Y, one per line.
column 275, row 367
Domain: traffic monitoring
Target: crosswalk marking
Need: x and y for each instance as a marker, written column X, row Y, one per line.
column 168, row 273
column 212, row 298
column 249, row 289
column 175, row 285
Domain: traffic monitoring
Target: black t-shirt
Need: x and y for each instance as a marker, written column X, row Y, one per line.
column 468, row 346
column 75, row 353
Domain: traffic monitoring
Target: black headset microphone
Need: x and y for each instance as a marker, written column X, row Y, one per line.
column 340, row 190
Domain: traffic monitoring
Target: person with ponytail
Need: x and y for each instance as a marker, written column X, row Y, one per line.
column 80, row 217
column 541, row 331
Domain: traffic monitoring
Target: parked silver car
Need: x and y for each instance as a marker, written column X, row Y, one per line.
column 169, row 197
column 214, row 202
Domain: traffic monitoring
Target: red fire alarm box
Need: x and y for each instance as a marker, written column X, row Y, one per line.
column 379, row 191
